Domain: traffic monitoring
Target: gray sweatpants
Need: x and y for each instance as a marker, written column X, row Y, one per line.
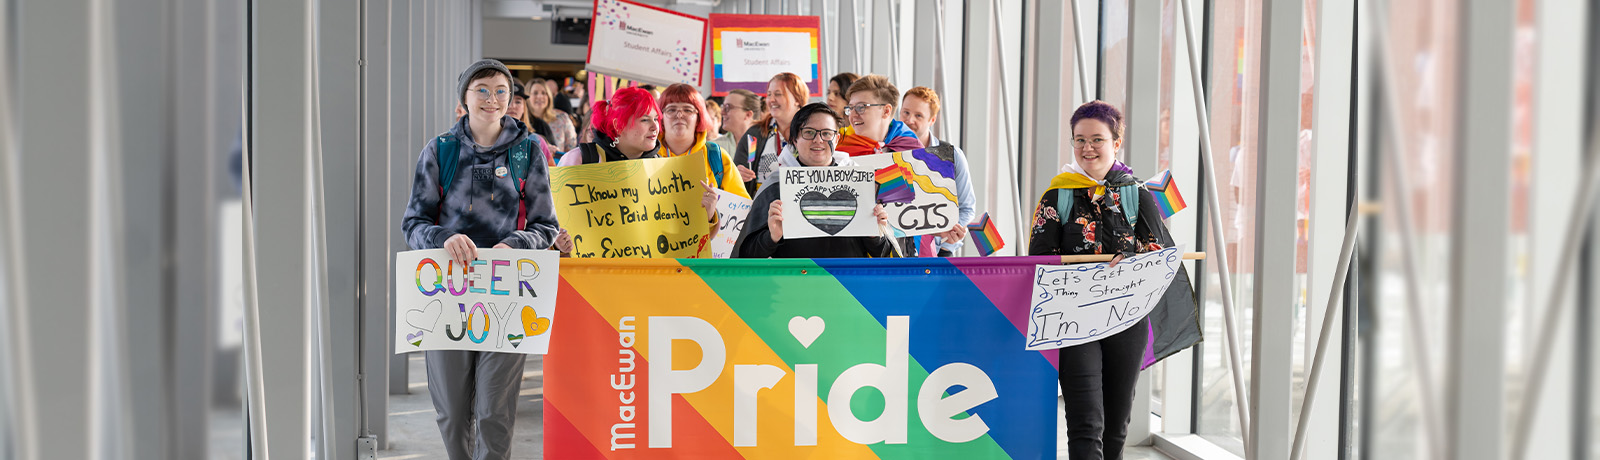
column 475, row 396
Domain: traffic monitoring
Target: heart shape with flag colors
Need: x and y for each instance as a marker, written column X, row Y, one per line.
column 829, row 213
column 806, row 330
column 424, row 318
column 516, row 339
column 532, row 324
column 415, row 338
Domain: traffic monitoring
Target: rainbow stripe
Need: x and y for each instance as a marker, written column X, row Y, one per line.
column 607, row 307
column 985, row 236
column 893, row 186
column 1165, row 191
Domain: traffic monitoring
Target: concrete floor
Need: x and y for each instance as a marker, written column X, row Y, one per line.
column 415, row 436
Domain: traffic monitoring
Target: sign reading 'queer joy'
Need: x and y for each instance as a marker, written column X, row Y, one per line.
column 732, row 212
column 648, row 208
column 504, row 301
column 933, row 176
column 827, row 201
column 798, row 358
column 647, row 43
column 748, row 49
column 1082, row 303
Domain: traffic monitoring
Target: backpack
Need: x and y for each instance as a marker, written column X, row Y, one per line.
column 1130, row 202
column 591, row 155
column 518, row 159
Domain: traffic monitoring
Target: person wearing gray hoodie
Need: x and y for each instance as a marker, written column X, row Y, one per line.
column 475, row 393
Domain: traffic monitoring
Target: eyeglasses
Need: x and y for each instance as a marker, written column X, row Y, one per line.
column 826, row 134
column 680, row 112
column 484, row 94
column 1097, row 143
column 859, row 108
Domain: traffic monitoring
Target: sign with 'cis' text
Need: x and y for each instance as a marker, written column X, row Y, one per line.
column 504, row 301
column 933, row 176
column 798, row 358
column 732, row 214
column 1082, row 303
column 646, row 43
column 827, row 201
column 647, row 208
column 748, row 49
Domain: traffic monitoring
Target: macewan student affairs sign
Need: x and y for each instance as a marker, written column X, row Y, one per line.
column 646, row 43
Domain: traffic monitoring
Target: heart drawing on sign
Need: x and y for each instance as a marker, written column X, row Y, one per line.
column 516, row 339
column 829, row 213
column 424, row 318
column 532, row 324
column 806, row 330
column 415, row 338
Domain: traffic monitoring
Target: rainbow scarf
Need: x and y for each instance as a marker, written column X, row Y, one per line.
column 648, row 352
column 857, row 145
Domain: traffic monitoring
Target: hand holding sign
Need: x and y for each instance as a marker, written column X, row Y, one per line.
column 826, row 201
column 1078, row 304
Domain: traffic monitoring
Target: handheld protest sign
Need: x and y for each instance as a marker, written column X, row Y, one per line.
column 1078, row 304
column 505, row 301
column 932, row 175
column 827, row 201
column 648, row 208
column 732, row 213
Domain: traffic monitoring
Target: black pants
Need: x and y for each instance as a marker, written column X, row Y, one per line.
column 1097, row 380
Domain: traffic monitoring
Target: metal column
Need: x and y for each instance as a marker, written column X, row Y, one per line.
column 1476, row 363
column 1271, row 388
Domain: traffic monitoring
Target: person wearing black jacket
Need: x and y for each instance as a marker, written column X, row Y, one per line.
column 814, row 129
column 1097, row 378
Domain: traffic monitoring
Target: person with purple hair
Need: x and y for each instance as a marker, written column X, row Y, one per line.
column 1086, row 210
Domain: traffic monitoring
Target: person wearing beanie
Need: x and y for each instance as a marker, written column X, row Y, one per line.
column 475, row 393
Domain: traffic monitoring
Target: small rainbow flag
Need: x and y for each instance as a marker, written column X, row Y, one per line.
column 893, row 186
column 1165, row 192
column 985, row 236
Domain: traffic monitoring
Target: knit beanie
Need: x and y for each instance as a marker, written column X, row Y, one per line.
column 466, row 75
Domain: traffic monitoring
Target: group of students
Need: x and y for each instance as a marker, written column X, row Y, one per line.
column 465, row 195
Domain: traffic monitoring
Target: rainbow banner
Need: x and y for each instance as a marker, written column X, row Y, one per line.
column 1165, row 191
column 985, row 236
column 892, row 185
column 798, row 358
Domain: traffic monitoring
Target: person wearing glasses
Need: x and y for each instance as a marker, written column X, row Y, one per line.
column 741, row 111
column 626, row 128
column 475, row 393
column 871, row 112
column 815, row 130
column 688, row 123
column 1086, row 211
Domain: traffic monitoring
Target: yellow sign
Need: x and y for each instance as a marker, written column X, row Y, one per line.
column 647, row 208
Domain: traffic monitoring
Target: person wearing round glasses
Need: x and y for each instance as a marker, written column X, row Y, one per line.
column 814, row 130
column 688, row 124
column 871, row 115
column 473, row 392
column 1098, row 207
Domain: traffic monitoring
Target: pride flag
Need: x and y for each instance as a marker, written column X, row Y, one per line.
column 798, row 358
column 893, row 186
column 1165, row 192
column 985, row 236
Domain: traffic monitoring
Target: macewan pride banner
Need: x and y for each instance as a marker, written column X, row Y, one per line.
column 797, row 358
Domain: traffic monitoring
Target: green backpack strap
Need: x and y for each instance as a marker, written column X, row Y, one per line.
column 714, row 158
column 447, row 163
column 1130, row 202
column 518, row 159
